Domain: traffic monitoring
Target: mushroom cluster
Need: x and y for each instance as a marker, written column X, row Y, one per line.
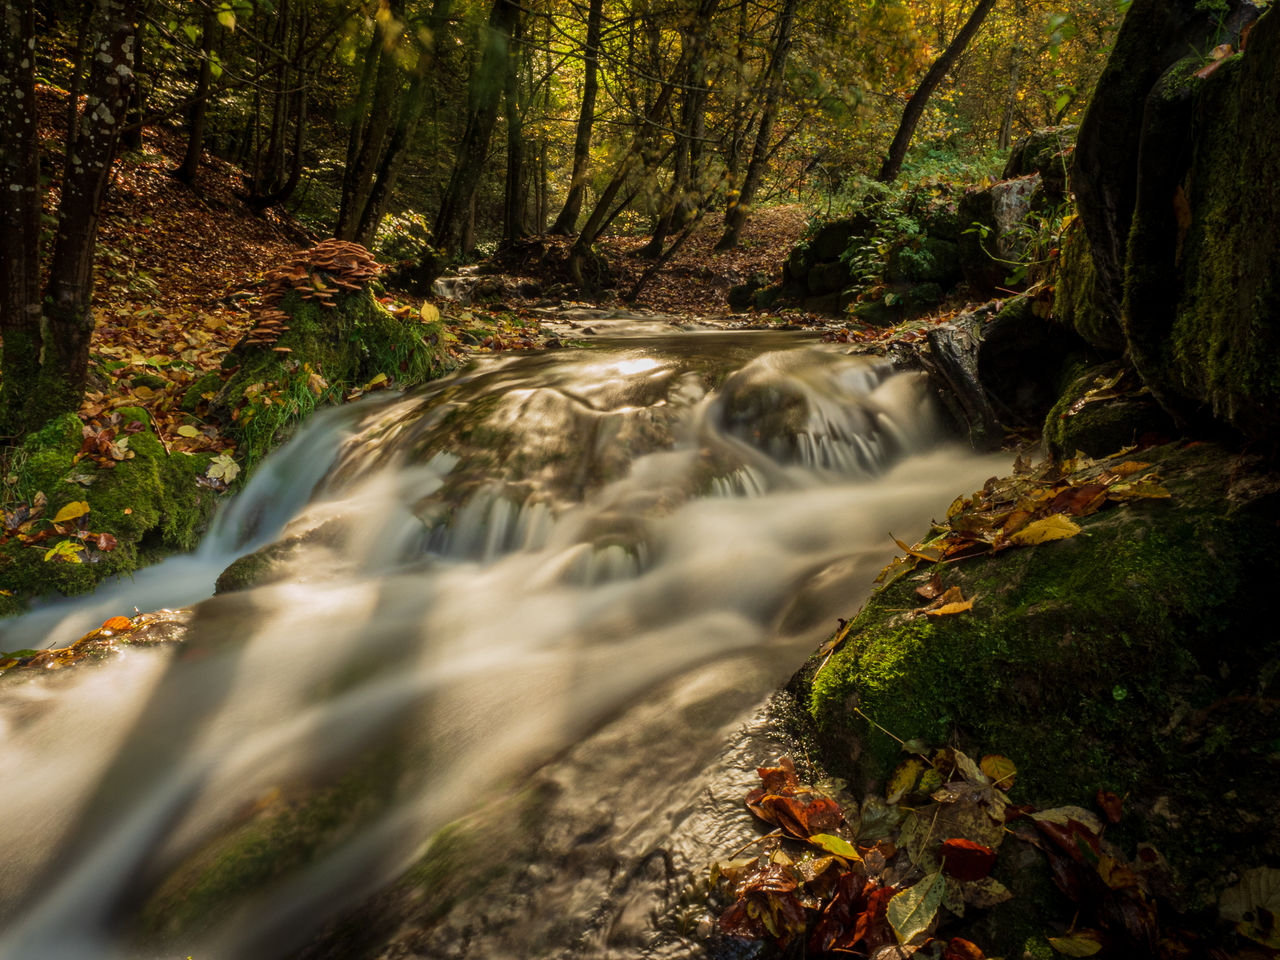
column 319, row 274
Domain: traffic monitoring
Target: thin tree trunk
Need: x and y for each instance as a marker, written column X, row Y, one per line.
column 19, row 216
column 403, row 130
column 572, row 209
column 915, row 106
column 69, row 318
column 483, row 96
column 131, row 136
column 200, row 108
column 373, row 141
column 516, row 198
column 735, row 218
column 600, row 214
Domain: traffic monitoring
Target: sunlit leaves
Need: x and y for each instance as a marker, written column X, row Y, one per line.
column 223, row 468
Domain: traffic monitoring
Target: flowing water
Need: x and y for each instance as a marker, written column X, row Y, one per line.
column 522, row 620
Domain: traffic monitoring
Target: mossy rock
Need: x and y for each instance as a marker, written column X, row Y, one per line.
column 150, row 503
column 977, row 216
column 825, row 278
column 1046, row 151
column 1123, row 658
column 1202, row 298
column 926, row 259
column 331, row 351
column 1076, row 303
column 830, row 240
column 1100, row 428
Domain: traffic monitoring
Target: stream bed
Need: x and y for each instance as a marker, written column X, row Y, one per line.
column 493, row 681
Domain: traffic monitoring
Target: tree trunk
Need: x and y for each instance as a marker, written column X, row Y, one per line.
column 919, row 100
column 406, row 126
column 200, row 108
column 69, row 322
column 515, row 200
column 483, row 96
column 569, row 214
column 373, row 141
column 735, row 218
column 19, row 216
column 131, row 136
column 600, row 214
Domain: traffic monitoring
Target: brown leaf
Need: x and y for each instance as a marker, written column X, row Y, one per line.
column 1111, row 805
column 966, row 860
column 958, row 948
column 931, row 590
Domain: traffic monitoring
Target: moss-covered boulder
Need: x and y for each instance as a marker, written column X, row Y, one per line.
column 1046, row 151
column 1076, row 303
column 926, row 259
column 1103, row 409
column 323, row 337
column 1125, row 658
column 1202, row 294
column 142, row 501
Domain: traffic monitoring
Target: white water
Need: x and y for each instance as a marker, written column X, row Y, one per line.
column 624, row 535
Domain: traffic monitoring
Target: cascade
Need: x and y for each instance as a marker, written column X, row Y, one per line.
column 552, row 589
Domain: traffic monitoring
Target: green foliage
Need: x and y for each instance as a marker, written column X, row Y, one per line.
column 404, row 236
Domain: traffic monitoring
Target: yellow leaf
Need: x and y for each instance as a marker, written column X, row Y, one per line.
column 1079, row 945
column 429, row 313
column 1000, row 769
column 918, row 551
column 377, row 381
column 1055, row 527
column 186, row 430
column 71, row 511
column 905, row 777
column 949, row 608
column 143, row 393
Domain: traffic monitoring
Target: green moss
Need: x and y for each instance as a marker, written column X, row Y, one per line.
column 1202, row 309
column 150, row 503
column 273, row 842
column 331, row 351
column 1102, row 427
column 1076, row 302
column 1079, row 659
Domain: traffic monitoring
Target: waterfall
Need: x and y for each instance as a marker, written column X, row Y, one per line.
column 583, row 567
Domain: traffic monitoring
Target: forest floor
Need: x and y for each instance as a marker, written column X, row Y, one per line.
column 177, row 268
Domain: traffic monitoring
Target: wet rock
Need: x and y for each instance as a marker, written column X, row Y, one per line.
column 1109, row 660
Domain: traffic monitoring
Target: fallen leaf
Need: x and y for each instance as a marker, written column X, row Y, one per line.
column 966, row 860
column 837, row 845
column 1111, row 805
column 186, row 430
column 948, row 609
column 117, row 623
column 1253, row 905
column 1055, row 527
column 71, row 511
column 958, row 948
column 918, row 551
column 912, row 911
column 1084, row 943
column 1000, row 770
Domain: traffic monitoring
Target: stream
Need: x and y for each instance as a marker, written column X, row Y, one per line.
column 513, row 633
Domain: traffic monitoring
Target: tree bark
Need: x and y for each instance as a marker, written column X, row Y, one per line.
column 200, row 108
column 568, row 217
column 19, row 215
column 68, row 324
column 515, row 200
column 735, row 218
column 919, row 100
column 483, row 97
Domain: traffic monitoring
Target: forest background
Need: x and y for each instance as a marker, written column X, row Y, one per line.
column 434, row 132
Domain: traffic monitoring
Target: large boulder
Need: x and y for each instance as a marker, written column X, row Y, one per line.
column 1202, row 299
column 1122, row 659
column 1155, row 35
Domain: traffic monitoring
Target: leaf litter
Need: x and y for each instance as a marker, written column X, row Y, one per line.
column 890, row 876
